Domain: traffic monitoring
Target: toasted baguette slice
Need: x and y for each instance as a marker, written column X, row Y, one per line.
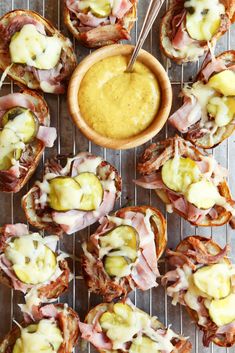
column 50, row 289
column 179, row 343
column 102, row 34
column 194, row 49
column 14, row 179
column 43, row 216
column 94, row 272
column 191, row 119
column 150, row 167
column 67, row 321
column 197, row 251
column 49, row 81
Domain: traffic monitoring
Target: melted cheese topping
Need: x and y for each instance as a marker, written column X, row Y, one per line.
column 35, row 49
column 125, row 322
column 216, row 100
column 203, row 18
column 213, row 283
column 33, row 262
column 43, row 337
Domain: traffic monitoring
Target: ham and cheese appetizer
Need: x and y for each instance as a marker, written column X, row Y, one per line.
column 29, row 263
column 191, row 27
column 74, row 197
column 24, row 134
column 203, row 281
column 54, row 329
column 188, row 182
column 121, row 327
column 123, row 253
column 100, row 22
column 207, row 116
column 34, row 53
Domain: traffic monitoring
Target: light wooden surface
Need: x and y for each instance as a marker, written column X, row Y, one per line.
column 71, row 140
column 165, row 106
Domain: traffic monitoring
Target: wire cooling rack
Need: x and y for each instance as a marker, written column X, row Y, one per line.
column 70, row 140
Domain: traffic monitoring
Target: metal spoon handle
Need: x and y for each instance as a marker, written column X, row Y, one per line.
column 152, row 12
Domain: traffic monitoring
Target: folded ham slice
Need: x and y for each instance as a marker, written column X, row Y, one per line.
column 47, row 135
column 187, row 115
column 144, row 271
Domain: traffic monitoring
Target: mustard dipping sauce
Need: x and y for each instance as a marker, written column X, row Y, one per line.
column 117, row 104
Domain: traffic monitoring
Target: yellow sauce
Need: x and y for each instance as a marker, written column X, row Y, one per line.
column 117, row 104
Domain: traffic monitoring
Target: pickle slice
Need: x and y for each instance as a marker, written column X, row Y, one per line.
column 92, row 191
column 116, row 266
column 203, row 194
column 33, row 262
column 44, row 337
column 214, row 280
column 222, row 311
column 143, row 344
column 123, row 238
column 65, row 194
column 23, row 122
column 8, row 152
column 179, row 173
column 121, row 246
column 99, row 8
column 119, row 325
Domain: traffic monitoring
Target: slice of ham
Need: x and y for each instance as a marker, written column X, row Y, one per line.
column 147, row 240
column 51, row 77
column 5, row 266
column 17, row 229
column 98, row 339
column 16, row 23
column 214, row 66
column 49, row 311
column 74, row 220
column 143, row 275
column 15, row 100
column 73, row 5
column 176, row 22
column 182, row 39
column 90, row 20
column 190, row 211
column 152, row 181
column 186, row 116
column 121, row 7
column 47, row 135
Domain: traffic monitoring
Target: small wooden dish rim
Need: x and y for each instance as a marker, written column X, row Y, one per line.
column 160, row 118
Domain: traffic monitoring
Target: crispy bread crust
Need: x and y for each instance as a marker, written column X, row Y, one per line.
column 126, row 25
column 185, row 345
column 8, row 342
column 212, row 248
column 166, row 27
column 51, row 30
column 123, row 289
column 38, row 146
column 49, row 291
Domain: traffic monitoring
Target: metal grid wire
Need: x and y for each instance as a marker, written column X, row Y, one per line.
column 70, row 140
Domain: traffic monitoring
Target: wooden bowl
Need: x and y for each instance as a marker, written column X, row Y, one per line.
column 160, row 118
